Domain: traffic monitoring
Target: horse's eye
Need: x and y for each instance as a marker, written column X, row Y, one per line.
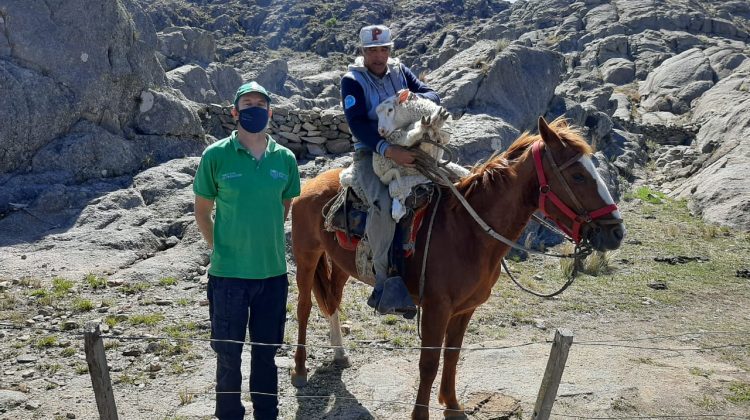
column 578, row 178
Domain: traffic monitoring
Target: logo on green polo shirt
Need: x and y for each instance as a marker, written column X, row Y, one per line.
column 230, row 175
column 278, row 175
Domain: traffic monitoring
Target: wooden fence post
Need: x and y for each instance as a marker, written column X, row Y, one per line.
column 552, row 375
column 97, row 361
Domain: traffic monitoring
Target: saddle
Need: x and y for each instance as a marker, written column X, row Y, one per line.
column 346, row 216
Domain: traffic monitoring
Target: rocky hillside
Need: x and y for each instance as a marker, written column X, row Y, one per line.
column 106, row 108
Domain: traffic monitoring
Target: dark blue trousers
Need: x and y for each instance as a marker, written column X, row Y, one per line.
column 237, row 306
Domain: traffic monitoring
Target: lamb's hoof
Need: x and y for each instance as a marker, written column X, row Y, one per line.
column 455, row 414
column 342, row 362
column 299, row 380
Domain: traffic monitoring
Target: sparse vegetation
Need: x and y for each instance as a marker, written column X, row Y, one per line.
column 81, row 369
column 131, row 289
column 61, row 286
column 646, row 194
column 167, row 281
column 82, row 305
column 739, row 393
column 146, row 319
column 45, row 342
column 95, row 282
column 186, row 397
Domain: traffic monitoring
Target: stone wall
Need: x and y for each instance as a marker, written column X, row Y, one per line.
column 308, row 133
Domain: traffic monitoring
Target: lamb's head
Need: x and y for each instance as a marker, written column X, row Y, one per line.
column 390, row 115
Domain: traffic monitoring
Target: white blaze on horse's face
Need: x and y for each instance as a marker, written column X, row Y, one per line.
column 602, row 187
column 386, row 117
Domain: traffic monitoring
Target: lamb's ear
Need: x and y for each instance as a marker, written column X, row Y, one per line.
column 404, row 96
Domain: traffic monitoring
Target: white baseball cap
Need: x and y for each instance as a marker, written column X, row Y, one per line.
column 375, row 36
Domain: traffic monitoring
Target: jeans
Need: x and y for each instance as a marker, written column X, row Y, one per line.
column 380, row 225
column 257, row 306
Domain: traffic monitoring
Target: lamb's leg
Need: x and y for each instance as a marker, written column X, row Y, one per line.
column 390, row 175
column 416, row 133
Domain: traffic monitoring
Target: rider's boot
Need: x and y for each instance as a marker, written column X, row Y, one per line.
column 395, row 299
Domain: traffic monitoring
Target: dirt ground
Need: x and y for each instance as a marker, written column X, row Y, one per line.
column 638, row 352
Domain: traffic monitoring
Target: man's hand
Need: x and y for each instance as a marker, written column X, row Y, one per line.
column 400, row 155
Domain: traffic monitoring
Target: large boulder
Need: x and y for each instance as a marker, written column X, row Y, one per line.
column 674, row 84
column 719, row 191
column 166, row 112
column 192, row 80
column 101, row 57
column 514, row 84
column 88, row 151
column 183, row 45
column 476, row 136
column 27, row 93
column 618, row 71
column 225, row 81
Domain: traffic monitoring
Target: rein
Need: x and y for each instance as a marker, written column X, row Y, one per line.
column 438, row 173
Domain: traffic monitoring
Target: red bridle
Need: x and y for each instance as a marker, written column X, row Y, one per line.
column 579, row 218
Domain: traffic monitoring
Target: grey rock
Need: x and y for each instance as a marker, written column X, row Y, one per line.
column 87, row 152
column 476, row 136
column 618, row 71
column 716, row 192
column 65, row 80
column 26, row 358
column 21, row 133
column 11, row 399
column 225, row 80
column 183, row 45
column 192, row 80
column 675, row 83
column 483, row 80
column 272, row 76
column 165, row 113
column 600, row 17
column 725, row 59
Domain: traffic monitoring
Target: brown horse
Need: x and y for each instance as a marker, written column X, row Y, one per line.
column 464, row 262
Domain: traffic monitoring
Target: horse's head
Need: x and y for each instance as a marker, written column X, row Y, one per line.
column 388, row 113
column 571, row 192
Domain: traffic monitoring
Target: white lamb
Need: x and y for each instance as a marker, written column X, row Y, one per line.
column 421, row 117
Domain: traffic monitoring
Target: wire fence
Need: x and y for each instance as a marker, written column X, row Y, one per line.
column 363, row 345
column 612, row 343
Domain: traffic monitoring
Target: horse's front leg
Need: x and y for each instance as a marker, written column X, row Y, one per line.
column 434, row 323
column 454, row 337
column 306, row 264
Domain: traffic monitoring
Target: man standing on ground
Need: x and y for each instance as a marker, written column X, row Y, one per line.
column 374, row 77
column 252, row 181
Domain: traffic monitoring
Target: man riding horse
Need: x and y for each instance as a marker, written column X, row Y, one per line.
column 374, row 77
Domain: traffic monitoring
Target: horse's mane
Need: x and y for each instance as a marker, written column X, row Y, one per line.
column 499, row 165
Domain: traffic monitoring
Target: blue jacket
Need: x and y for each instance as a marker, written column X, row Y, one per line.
column 362, row 92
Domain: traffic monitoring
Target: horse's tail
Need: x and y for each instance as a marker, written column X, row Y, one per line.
column 324, row 287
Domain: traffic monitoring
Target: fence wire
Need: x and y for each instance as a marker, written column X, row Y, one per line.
column 594, row 343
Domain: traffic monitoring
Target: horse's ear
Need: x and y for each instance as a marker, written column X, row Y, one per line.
column 548, row 135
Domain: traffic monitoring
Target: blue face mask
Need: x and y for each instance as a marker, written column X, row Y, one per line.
column 254, row 119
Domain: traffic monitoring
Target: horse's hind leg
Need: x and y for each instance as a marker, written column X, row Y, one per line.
column 306, row 265
column 339, row 354
column 454, row 337
column 339, row 278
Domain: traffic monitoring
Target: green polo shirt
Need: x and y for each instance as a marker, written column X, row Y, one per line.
column 249, row 239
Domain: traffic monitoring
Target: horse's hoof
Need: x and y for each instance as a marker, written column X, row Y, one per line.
column 299, row 380
column 454, row 414
column 342, row 362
